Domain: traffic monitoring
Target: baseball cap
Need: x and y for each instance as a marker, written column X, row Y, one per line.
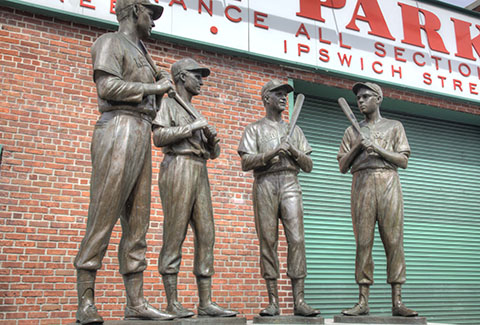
column 188, row 64
column 274, row 85
column 369, row 85
column 121, row 5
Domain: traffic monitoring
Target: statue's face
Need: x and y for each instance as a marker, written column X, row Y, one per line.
column 193, row 82
column 368, row 101
column 144, row 22
column 277, row 100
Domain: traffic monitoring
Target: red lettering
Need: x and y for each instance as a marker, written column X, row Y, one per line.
column 449, row 66
column 178, row 2
column 399, row 71
column 473, row 88
column 412, row 28
column 302, row 48
column 260, row 17
column 324, row 57
column 344, row 59
column 312, row 9
column 361, row 64
column 442, row 79
column 202, row 4
column 374, row 64
column 87, row 5
column 340, row 35
column 373, row 16
column 465, row 43
column 465, row 74
column 427, row 78
column 112, row 6
column 398, row 54
column 320, row 37
column 420, row 64
column 436, row 59
column 285, row 46
column 302, row 31
column 381, row 48
column 227, row 14
column 457, row 84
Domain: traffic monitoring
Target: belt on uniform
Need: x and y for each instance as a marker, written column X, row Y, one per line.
column 110, row 114
column 277, row 172
column 187, row 156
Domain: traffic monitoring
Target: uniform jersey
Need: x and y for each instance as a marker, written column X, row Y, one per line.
column 388, row 134
column 174, row 121
column 265, row 135
column 116, row 55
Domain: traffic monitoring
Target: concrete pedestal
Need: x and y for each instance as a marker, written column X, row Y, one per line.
column 287, row 320
column 378, row 320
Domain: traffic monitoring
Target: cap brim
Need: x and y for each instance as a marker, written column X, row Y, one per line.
column 288, row 88
column 157, row 10
column 204, row 71
column 356, row 87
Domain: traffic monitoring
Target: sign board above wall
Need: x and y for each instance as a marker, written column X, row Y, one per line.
column 413, row 44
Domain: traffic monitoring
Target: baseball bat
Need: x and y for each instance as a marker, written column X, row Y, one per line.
column 349, row 114
column 297, row 108
column 351, row 117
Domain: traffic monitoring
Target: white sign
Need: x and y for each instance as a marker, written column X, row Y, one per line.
column 407, row 43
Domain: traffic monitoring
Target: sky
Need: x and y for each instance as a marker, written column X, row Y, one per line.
column 460, row 3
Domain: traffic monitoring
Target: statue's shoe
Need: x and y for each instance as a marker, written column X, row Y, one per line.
column 88, row 314
column 303, row 309
column 271, row 310
column 357, row 310
column 402, row 310
column 179, row 311
column 214, row 310
column 146, row 312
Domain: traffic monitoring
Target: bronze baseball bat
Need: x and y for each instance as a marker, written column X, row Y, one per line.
column 349, row 114
column 297, row 108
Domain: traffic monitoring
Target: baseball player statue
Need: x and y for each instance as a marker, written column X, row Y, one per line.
column 129, row 91
column 373, row 158
column 276, row 161
column 188, row 141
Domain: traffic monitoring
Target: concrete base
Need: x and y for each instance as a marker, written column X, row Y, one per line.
column 378, row 320
column 135, row 322
column 211, row 320
column 180, row 321
column 287, row 320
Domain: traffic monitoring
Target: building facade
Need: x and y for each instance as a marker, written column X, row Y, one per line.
column 431, row 79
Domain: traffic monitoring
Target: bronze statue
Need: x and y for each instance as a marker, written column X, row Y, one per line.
column 128, row 94
column 373, row 158
column 188, row 141
column 276, row 161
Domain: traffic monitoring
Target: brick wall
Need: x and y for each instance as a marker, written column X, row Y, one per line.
column 47, row 113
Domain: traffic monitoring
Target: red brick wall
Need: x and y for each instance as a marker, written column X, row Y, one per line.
column 47, row 113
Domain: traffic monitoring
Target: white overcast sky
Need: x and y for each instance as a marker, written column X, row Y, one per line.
column 460, row 3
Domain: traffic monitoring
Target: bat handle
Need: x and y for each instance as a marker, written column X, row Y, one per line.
column 172, row 93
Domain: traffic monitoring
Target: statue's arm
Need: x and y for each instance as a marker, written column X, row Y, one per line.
column 110, row 87
column 164, row 136
column 348, row 153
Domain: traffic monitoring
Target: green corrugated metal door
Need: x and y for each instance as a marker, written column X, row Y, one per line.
column 441, row 189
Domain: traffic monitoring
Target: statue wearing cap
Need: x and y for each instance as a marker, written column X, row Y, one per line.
column 188, row 142
column 276, row 162
column 373, row 158
column 129, row 88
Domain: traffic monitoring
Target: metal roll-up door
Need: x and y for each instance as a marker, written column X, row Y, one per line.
column 441, row 188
